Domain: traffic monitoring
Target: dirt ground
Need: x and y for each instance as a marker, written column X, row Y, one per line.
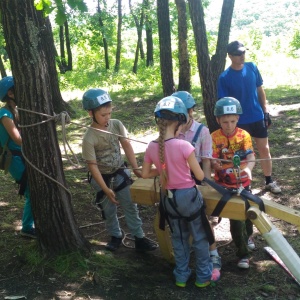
column 149, row 275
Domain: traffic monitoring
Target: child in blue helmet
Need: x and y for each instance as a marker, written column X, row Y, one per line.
column 109, row 176
column 199, row 136
column 181, row 201
column 10, row 134
column 229, row 141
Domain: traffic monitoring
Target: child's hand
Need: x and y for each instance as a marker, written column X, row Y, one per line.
column 137, row 173
column 111, row 196
column 217, row 164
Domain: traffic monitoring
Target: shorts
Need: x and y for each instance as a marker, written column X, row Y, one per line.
column 257, row 129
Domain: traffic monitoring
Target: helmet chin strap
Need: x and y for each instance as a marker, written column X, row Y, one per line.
column 94, row 118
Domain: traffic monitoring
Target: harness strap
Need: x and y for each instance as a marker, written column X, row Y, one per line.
column 227, row 194
column 107, row 177
column 197, row 134
column 201, row 212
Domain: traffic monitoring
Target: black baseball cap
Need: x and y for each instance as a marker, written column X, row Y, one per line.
column 236, row 48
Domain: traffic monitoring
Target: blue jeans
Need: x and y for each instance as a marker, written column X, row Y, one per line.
column 130, row 210
column 16, row 170
column 188, row 202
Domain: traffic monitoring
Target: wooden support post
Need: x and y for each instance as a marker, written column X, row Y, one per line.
column 276, row 241
column 164, row 240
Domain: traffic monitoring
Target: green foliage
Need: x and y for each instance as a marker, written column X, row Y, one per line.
column 295, row 43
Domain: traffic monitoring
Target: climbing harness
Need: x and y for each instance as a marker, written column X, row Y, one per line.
column 165, row 215
column 109, row 181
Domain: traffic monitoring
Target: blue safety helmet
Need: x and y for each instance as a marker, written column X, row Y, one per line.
column 186, row 98
column 227, row 106
column 94, row 98
column 171, row 108
column 6, row 83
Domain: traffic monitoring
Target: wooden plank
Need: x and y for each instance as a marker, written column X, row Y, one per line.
column 144, row 192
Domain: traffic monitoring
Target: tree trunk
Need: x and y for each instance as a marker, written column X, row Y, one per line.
column 139, row 46
column 105, row 46
column 27, row 36
column 184, row 63
column 2, row 68
column 218, row 60
column 149, row 35
column 208, row 78
column 165, row 47
column 63, row 63
column 68, row 46
column 119, row 37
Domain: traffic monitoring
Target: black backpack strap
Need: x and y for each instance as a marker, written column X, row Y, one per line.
column 197, row 134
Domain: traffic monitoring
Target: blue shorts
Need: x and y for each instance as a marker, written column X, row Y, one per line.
column 257, row 129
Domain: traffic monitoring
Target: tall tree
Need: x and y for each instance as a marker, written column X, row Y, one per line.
column 149, row 34
column 209, row 70
column 139, row 27
column 104, row 39
column 183, row 54
column 119, row 37
column 166, row 68
column 27, row 34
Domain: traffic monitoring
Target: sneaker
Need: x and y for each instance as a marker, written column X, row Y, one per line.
column 243, row 263
column 114, row 244
column 180, row 284
column 144, row 244
column 28, row 233
column 273, row 187
column 202, row 285
column 250, row 245
column 215, row 275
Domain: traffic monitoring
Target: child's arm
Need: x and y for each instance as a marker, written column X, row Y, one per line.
column 250, row 165
column 148, row 171
column 195, row 167
column 12, row 130
column 127, row 147
column 93, row 168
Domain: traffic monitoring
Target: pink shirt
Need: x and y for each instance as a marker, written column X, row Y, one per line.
column 203, row 146
column 176, row 154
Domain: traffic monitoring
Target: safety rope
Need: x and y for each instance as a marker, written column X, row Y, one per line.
column 63, row 118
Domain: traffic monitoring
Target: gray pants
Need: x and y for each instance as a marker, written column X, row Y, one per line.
column 188, row 202
column 130, row 210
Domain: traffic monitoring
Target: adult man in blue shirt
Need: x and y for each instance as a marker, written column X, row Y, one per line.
column 243, row 81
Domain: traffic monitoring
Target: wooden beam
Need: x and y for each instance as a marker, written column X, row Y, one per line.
column 146, row 192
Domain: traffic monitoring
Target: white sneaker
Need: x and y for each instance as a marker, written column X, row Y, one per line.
column 250, row 244
column 243, row 263
column 273, row 187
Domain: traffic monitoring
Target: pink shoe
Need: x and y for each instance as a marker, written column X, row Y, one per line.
column 215, row 276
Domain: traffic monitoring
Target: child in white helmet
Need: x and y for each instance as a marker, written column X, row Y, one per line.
column 199, row 136
column 109, row 175
column 181, row 201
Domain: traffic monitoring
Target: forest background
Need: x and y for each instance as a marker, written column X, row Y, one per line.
column 269, row 29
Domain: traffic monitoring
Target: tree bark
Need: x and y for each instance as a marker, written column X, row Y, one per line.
column 2, row 68
column 165, row 47
column 68, row 46
column 27, row 36
column 209, row 71
column 105, row 46
column 149, row 35
column 119, row 37
column 183, row 57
